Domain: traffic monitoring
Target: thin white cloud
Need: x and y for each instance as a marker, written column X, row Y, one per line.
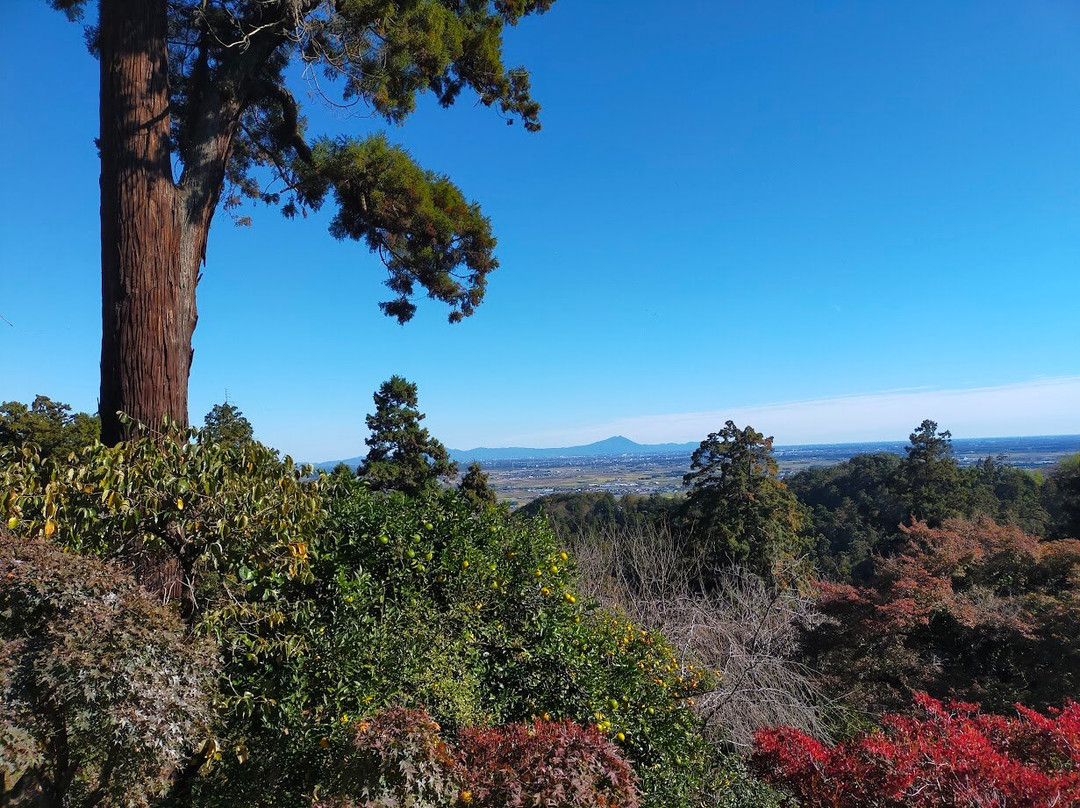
column 1040, row 407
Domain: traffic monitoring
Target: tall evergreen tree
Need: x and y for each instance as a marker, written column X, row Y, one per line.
column 929, row 476
column 402, row 455
column 200, row 86
column 226, row 424
column 738, row 508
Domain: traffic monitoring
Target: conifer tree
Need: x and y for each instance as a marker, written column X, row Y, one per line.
column 929, row 476
column 738, row 508
column 402, row 455
column 226, row 424
column 200, row 87
column 476, row 488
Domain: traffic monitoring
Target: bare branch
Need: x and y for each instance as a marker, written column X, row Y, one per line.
column 743, row 629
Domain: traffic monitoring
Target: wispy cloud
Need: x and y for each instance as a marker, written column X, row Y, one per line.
column 1039, row 407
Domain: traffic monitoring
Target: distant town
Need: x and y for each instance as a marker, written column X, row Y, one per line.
column 521, row 480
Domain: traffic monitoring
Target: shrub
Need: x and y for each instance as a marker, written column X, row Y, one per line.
column 224, row 530
column 739, row 638
column 397, row 758
column 544, row 764
column 103, row 696
column 474, row 615
column 948, row 756
column 201, row 523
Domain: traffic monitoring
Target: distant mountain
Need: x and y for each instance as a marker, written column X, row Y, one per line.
column 1026, row 452
column 609, row 447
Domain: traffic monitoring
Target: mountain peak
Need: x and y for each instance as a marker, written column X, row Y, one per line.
column 615, row 442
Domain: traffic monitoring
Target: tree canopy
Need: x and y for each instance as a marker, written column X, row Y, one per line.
column 1064, row 497
column 737, row 503
column 402, row 455
column 49, row 425
column 929, row 475
column 226, row 424
column 475, row 487
column 201, row 87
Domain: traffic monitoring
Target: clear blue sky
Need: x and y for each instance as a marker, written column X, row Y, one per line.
column 730, row 205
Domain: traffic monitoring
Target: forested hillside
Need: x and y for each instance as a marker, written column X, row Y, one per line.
column 380, row 636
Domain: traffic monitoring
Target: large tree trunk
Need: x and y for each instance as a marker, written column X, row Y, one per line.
column 148, row 290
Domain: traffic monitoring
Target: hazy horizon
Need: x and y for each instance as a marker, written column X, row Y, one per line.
column 1050, row 406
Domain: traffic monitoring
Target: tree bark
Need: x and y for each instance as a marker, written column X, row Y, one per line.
column 148, row 294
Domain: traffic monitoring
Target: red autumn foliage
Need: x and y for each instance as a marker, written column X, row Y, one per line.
column 546, row 763
column 970, row 610
column 400, row 759
column 948, row 756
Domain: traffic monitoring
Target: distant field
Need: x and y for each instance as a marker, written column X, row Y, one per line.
column 521, row 481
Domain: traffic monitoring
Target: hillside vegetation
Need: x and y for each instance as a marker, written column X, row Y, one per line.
column 288, row 638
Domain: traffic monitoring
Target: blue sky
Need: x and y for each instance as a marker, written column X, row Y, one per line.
column 831, row 220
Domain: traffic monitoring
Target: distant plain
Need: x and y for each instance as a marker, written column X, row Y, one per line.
column 519, row 481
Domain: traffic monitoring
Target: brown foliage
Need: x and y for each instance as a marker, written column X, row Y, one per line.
column 971, row 610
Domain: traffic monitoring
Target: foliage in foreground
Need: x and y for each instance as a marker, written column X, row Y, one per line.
column 103, row 694
column 948, row 756
column 429, row 602
column 328, row 601
column 399, row 758
column 739, row 637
